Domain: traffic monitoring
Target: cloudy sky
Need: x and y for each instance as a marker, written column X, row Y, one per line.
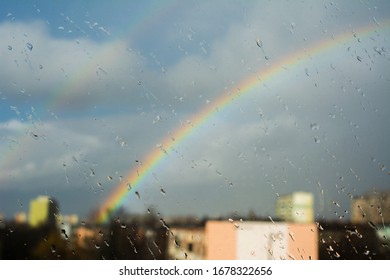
column 89, row 88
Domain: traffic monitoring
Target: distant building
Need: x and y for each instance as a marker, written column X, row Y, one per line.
column 261, row 241
column 2, row 220
column 371, row 207
column 297, row 207
column 187, row 243
column 43, row 211
column 224, row 240
column 20, row 218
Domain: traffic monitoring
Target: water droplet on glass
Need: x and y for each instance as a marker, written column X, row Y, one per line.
column 164, row 224
column 163, row 191
column 33, row 135
column 319, row 226
column 63, row 232
column 29, row 46
column 138, row 195
column 372, row 225
column 10, row 47
column 359, row 58
column 314, row 126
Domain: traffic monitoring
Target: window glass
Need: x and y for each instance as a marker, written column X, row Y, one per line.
column 141, row 129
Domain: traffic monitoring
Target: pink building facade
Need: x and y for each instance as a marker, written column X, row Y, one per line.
column 260, row 240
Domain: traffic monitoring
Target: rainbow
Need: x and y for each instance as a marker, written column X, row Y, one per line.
column 137, row 175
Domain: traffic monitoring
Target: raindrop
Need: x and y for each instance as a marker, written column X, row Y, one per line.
column 109, row 178
column 164, row 224
column 163, row 191
column 314, row 126
column 372, row 225
column 138, row 195
column 128, row 186
column 83, row 223
column 63, row 232
column 319, row 226
column 53, row 249
column 33, row 135
column 359, row 58
column 316, row 140
column 259, row 43
column 123, row 226
column 29, row 46
column 376, row 49
column 376, row 21
column 40, row 66
column 10, row 47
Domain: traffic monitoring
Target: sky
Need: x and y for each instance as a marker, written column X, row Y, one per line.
column 89, row 89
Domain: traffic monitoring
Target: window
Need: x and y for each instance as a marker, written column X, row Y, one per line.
column 127, row 125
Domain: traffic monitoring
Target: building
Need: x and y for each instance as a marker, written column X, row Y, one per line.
column 2, row 220
column 297, row 207
column 261, row 241
column 187, row 243
column 371, row 207
column 43, row 211
column 257, row 240
column 20, row 218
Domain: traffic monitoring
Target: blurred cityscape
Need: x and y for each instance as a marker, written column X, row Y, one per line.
column 45, row 233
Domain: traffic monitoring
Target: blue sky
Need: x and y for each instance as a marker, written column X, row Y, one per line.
column 88, row 88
